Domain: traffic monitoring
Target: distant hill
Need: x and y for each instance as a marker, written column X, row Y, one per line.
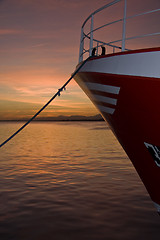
column 97, row 117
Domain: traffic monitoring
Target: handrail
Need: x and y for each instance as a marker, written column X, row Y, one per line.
column 99, row 10
column 112, row 44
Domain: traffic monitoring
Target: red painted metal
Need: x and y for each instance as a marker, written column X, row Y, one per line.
column 136, row 119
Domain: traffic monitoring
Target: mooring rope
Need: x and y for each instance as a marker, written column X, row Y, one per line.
column 55, row 95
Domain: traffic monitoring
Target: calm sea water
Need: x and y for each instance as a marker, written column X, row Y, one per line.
column 71, row 181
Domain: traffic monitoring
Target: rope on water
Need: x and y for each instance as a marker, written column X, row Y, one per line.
column 55, row 95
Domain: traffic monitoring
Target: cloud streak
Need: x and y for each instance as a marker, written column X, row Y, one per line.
column 39, row 45
column 10, row 32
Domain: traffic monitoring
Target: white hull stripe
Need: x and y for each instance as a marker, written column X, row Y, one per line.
column 109, row 100
column 103, row 88
column 106, row 109
column 137, row 64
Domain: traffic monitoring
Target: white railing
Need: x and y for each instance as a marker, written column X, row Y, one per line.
column 95, row 43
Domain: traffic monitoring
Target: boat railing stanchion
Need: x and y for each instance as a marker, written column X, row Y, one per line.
column 81, row 46
column 91, row 37
column 124, row 25
column 97, row 48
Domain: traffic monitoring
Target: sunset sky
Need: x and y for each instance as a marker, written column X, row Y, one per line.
column 39, row 46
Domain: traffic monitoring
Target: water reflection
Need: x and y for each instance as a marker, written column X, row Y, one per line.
column 71, row 181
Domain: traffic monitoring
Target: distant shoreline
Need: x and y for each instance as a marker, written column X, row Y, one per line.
column 53, row 120
column 75, row 118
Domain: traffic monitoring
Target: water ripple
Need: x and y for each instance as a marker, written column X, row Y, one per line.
column 74, row 181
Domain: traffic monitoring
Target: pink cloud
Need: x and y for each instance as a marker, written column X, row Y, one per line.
column 10, row 31
column 40, row 44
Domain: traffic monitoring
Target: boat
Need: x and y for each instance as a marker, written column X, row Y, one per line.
column 124, row 85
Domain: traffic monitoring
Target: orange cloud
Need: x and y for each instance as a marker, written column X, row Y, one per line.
column 39, row 51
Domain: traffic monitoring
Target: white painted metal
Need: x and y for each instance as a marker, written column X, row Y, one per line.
column 112, row 101
column 106, row 109
column 81, row 46
column 102, row 87
column 145, row 64
column 157, row 207
column 124, row 25
column 91, row 37
column 113, row 44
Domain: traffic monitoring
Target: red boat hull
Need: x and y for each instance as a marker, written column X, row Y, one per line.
column 130, row 104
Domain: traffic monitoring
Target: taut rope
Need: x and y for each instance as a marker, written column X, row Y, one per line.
column 55, row 95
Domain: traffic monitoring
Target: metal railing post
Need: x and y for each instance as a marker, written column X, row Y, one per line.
column 115, row 45
column 81, row 46
column 124, row 25
column 97, row 48
column 91, row 37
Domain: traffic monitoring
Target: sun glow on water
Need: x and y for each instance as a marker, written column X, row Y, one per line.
column 60, row 179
